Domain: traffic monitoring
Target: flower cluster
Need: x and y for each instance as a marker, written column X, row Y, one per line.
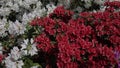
column 15, row 14
column 59, row 34
column 90, row 41
column 16, row 44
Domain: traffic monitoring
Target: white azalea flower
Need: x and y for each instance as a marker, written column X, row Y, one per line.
column 100, row 2
column 15, row 7
column 15, row 53
column 4, row 11
column 31, row 1
column 34, row 67
column 102, row 9
column 19, row 64
column 33, row 50
column 87, row 5
column 9, row 3
column 38, row 12
column 16, row 28
column 1, row 48
column 25, row 5
column 25, row 19
column 24, row 45
column 9, row 63
column 50, row 8
column 2, row 26
column 30, row 47
column 16, row 1
column 38, row 4
column 24, row 52
column 31, row 16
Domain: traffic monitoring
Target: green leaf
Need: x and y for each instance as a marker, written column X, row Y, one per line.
column 28, row 63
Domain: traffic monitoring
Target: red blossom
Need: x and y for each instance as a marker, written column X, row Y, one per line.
column 1, row 57
column 87, row 42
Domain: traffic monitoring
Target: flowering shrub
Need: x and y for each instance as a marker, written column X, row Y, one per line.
column 90, row 41
column 75, row 34
column 16, row 44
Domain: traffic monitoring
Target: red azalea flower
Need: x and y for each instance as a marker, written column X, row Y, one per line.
column 86, row 42
column 1, row 57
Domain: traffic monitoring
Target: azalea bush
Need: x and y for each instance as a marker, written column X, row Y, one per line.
column 16, row 42
column 89, row 41
column 59, row 34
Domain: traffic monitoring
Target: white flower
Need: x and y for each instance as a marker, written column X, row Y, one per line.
column 31, row 16
column 33, row 50
column 9, row 63
column 16, row 28
column 2, row 26
column 38, row 12
column 19, row 64
column 1, row 48
column 15, row 53
column 25, row 19
column 24, row 45
column 50, row 8
column 38, row 5
column 25, row 5
column 100, row 2
column 4, row 11
column 16, row 1
column 24, row 52
column 15, row 7
column 34, row 67
column 31, row 1
column 21, row 27
column 87, row 5
column 30, row 47
column 9, row 4
column 102, row 9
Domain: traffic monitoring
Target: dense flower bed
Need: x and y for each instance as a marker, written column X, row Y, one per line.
column 59, row 34
column 90, row 41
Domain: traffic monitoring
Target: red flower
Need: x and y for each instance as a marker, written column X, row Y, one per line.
column 87, row 42
column 43, row 43
column 1, row 57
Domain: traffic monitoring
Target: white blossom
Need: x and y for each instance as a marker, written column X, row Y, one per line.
column 10, row 4
column 1, row 48
column 24, row 52
column 102, row 9
column 100, row 2
column 34, row 66
column 15, row 53
column 31, row 47
column 87, row 5
column 3, row 23
column 15, row 7
column 16, row 28
column 9, row 63
column 33, row 50
column 4, row 11
column 50, row 8
column 19, row 64
column 25, row 19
